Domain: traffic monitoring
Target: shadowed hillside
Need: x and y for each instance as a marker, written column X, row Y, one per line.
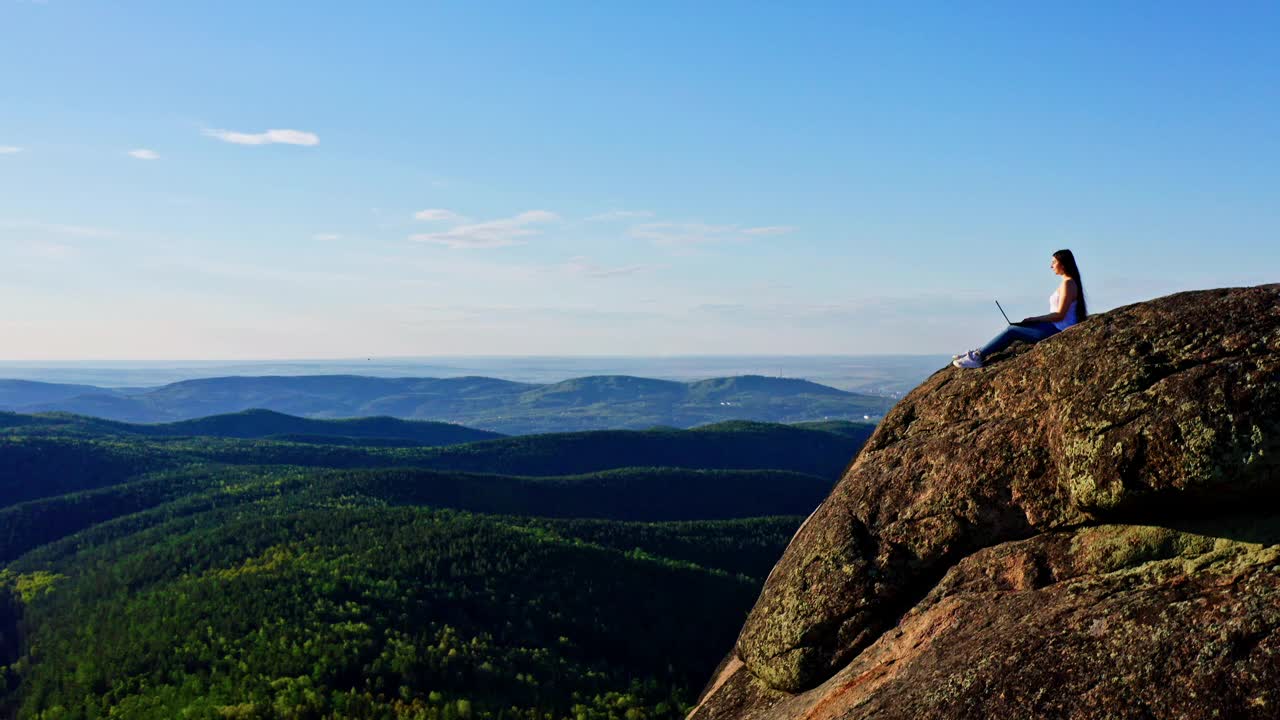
column 62, row 455
column 630, row 494
column 253, row 424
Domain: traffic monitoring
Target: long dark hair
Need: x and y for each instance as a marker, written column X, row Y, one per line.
column 1072, row 271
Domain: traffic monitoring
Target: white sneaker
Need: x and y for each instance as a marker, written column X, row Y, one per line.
column 969, row 361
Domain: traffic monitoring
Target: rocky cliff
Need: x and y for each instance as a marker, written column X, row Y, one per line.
column 1083, row 528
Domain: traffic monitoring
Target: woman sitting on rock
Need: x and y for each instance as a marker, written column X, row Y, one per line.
column 1066, row 305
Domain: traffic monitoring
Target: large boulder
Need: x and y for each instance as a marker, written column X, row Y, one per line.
column 1116, row 433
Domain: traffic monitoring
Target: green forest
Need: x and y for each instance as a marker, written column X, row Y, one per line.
column 578, row 575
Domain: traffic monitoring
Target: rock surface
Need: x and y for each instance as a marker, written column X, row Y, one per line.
column 1055, row 535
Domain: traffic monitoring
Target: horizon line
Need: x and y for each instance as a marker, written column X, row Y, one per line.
column 416, row 358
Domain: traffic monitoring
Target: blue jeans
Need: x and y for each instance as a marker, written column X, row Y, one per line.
column 1033, row 333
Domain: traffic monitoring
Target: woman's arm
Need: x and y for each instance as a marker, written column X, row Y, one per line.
column 1066, row 296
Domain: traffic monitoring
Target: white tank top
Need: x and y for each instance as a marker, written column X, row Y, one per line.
column 1070, row 318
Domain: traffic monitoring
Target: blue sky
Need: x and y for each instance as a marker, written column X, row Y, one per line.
column 236, row 180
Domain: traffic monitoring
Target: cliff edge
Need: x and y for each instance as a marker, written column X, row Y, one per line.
column 1083, row 528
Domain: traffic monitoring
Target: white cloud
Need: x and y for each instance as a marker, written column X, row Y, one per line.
column 490, row 234
column 270, row 137
column 686, row 233
column 436, row 214
column 667, row 233
column 614, row 215
column 144, row 154
column 531, row 216
column 259, row 271
column 769, row 230
column 75, row 230
column 326, row 237
column 48, row 250
column 583, row 266
column 9, row 149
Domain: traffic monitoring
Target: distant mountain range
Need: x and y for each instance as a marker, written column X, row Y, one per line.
column 589, row 403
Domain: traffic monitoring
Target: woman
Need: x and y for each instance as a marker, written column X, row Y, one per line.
column 1066, row 305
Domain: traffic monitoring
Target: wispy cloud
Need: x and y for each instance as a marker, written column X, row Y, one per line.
column 74, row 230
column 616, row 215
column 439, row 215
column 688, row 233
column 490, row 234
column 270, row 137
column 258, row 271
column 326, row 237
column 9, row 149
column 144, row 154
column 769, row 230
column 583, row 266
column 48, row 250
column 669, row 233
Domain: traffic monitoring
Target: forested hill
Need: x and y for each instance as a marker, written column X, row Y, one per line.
column 182, row 570
column 600, row 402
column 281, row 610
column 42, row 459
column 257, row 424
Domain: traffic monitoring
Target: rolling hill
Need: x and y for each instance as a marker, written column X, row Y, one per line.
column 42, row 456
column 279, row 610
column 253, row 424
column 150, row 571
column 590, row 403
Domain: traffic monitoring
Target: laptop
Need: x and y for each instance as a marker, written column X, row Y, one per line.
column 1006, row 317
